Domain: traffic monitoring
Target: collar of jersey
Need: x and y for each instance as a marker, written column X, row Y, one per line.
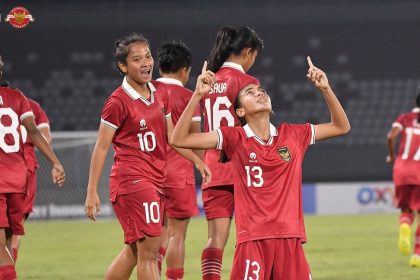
column 135, row 95
column 170, row 81
column 234, row 66
column 249, row 133
column 416, row 110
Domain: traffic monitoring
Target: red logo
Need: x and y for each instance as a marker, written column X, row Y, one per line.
column 19, row 17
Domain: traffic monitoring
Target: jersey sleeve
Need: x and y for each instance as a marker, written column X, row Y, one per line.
column 113, row 113
column 227, row 140
column 41, row 119
column 167, row 105
column 304, row 134
column 24, row 107
column 197, row 114
column 399, row 122
column 163, row 92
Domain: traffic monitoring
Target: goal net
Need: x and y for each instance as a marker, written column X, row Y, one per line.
column 74, row 149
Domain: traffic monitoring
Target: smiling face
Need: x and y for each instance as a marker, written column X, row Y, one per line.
column 253, row 99
column 139, row 63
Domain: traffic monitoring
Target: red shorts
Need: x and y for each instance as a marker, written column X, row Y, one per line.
column 407, row 196
column 30, row 196
column 270, row 259
column 218, row 202
column 140, row 214
column 11, row 212
column 181, row 203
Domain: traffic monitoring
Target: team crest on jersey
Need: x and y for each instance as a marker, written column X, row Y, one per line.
column 284, row 154
column 253, row 157
column 143, row 124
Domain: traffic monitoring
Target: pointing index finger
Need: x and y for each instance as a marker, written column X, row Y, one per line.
column 311, row 65
column 204, row 70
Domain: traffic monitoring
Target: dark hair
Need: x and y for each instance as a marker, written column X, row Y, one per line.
column 418, row 103
column 173, row 56
column 232, row 40
column 1, row 64
column 4, row 83
column 122, row 48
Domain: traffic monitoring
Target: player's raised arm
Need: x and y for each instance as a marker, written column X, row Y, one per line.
column 57, row 172
column 339, row 124
column 181, row 136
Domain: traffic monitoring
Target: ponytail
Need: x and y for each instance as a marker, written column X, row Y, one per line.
column 232, row 40
column 221, row 49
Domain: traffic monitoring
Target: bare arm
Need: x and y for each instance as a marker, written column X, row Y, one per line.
column 189, row 154
column 39, row 141
column 391, row 138
column 339, row 123
column 181, row 136
column 45, row 131
column 196, row 128
column 103, row 142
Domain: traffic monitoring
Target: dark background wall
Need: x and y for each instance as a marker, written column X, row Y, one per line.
column 369, row 49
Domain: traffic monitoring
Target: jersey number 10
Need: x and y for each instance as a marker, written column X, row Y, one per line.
column 147, row 141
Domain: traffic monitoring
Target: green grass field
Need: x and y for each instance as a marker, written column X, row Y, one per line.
column 362, row 247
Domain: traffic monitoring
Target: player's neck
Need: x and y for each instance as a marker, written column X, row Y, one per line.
column 236, row 59
column 141, row 89
column 175, row 76
column 260, row 125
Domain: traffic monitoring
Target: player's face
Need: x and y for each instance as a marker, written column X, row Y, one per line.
column 255, row 99
column 140, row 63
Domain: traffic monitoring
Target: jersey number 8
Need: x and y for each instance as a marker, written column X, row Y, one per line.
column 11, row 129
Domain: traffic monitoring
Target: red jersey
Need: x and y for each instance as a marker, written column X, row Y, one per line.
column 180, row 171
column 140, row 138
column 407, row 163
column 268, row 180
column 41, row 121
column 219, row 112
column 14, row 107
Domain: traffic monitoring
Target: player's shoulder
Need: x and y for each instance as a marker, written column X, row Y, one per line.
column 13, row 93
column 236, row 73
column 34, row 104
column 407, row 116
column 118, row 93
column 158, row 87
column 233, row 130
column 118, row 96
column 286, row 127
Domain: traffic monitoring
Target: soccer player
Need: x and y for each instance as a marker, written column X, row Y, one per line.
column 406, row 176
column 15, row 110
column 267, row 167
column 136, row 119
column 233, row 54
column 180, row 194
column 43, row 124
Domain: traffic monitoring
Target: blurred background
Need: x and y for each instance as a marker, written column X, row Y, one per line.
column 369, row 50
